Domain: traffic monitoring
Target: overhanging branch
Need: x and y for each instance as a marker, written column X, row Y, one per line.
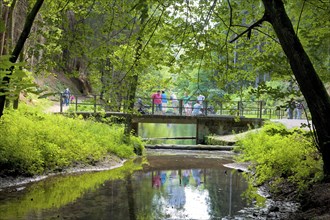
column 249, row 29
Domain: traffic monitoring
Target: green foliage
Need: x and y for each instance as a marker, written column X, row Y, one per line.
column 251, row 195
column 20, row 79
column 274, row 93
column 278, row 154
column 33, row 142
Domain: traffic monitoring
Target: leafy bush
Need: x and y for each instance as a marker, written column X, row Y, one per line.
column 278, row 154
column 33, row 142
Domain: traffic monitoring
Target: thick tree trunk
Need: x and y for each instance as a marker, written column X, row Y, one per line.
column 18, row 48
column 311, row 86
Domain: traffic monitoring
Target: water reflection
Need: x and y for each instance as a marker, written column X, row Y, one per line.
column 203, row 189
column 168, row 187
column 150, row 130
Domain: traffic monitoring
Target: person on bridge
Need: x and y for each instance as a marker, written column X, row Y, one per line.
column 200, row 98
column 197, row 109
column 140, row 107
column 164, row 102
column 175, row 103
column 186, row 104
column 157, row 101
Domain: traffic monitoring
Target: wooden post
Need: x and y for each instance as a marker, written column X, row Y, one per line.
column 260, row 110
column 206, row 108
column 76, row 103
column 238, row 108
column 153, row 108
column 221, row 108
column 180, row 106
column 61, row 102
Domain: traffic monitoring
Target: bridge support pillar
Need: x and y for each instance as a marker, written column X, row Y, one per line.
column 224, row 126
column 206, row 127
column 135, row 128
column 200, row 133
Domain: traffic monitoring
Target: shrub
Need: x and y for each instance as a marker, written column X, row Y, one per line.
column 278, row 154
column 33, row 142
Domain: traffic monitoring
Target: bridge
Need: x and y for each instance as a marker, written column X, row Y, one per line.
column 211, row 118
column 145, row 106
column 205, row 125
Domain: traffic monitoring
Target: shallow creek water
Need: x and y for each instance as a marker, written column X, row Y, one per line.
column 177, row 186
column 171, row 185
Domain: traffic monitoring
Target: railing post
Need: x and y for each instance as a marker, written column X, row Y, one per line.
column 94, row 103
column 61, row 102
column 206, row 108
column 221, row 107
column 153, row 108
column 238, row 108
column 260, row 109
column 180, row 106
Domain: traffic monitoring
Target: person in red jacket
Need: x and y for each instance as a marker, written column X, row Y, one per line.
column 157, row 100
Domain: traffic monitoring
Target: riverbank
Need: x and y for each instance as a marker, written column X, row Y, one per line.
column 15, row 182
column 314, row 203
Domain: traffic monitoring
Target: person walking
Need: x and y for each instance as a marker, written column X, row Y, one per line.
column 299, row 107
column 66, row 96
column 290, row 108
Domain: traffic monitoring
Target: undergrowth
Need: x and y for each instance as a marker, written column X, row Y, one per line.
column 278, row 155
column 33, row 142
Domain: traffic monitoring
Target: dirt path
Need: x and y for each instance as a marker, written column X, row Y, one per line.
column 55, row 107
column 292, row 123
column 232, row 138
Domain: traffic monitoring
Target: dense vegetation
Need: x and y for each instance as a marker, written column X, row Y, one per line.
column 279, row 156
column 33, row 142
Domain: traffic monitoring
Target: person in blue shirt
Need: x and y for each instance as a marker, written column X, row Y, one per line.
column 164, row 102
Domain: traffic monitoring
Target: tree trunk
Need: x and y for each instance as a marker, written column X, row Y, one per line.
column 4, row 16
column 134, row 76
column 18, row 48
column 311, row 86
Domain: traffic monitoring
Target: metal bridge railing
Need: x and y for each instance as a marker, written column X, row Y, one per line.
column 249, row 109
